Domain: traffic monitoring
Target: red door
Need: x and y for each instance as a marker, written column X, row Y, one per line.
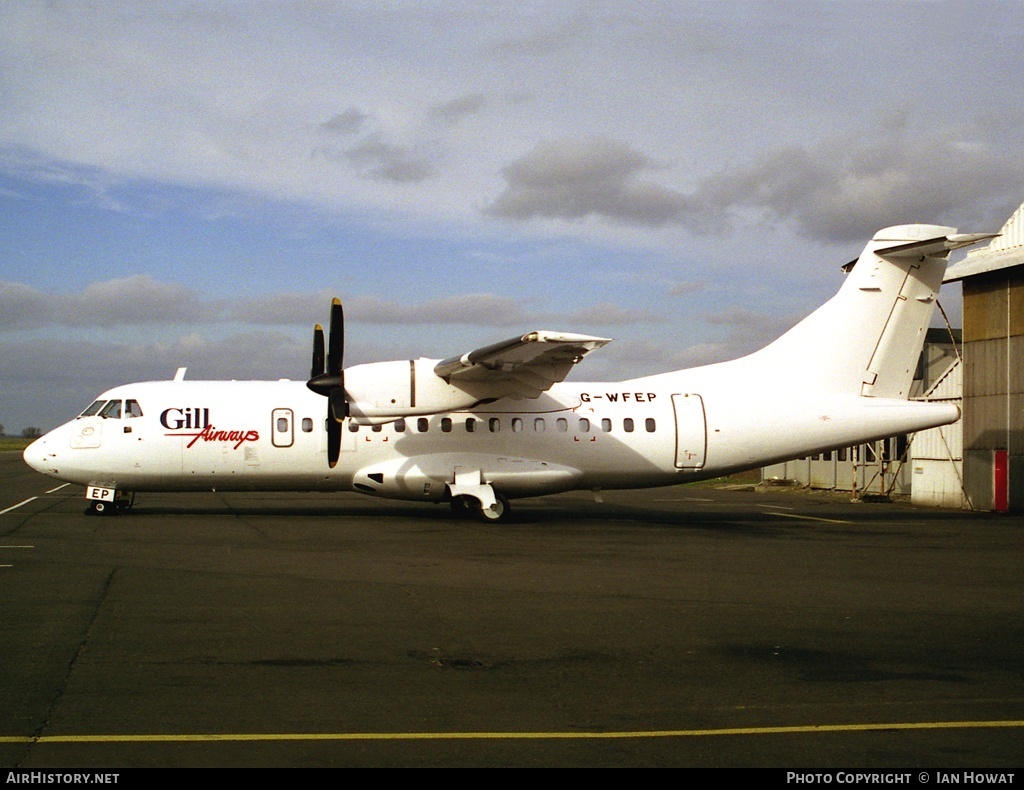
column 1001, row 482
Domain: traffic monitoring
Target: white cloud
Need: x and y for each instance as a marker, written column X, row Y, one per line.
column 129, row 301
column 452, row 111
column 844, row 189
column 348, row 122
column 140, row 300
column 659, row 117
column 837, row 190
column 573, row 179
column 23, row 307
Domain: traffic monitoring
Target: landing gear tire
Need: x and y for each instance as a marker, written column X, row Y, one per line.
column 98, row 507
column 464, row 506
column 496, row 514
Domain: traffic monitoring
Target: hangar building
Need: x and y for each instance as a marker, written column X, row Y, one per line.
column 993, row 353
column 978, row 462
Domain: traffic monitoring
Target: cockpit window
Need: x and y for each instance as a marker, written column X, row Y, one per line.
column 112, row 411
column 95, row 407
column 132, row 408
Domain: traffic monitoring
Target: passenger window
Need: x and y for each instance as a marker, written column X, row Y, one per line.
column 649, row 424
column 627, row 425
column 446, row 424
column 422, row 424
column 353, row 426
column 584, row 425
column 606, row 425
column 562, row 424
column 307, row 425
column 112, row 411
column 470, row 425
column 517, row 424
column 494, row 425
column 377, row 428
column 93, row 408
column 132, row 409
column 539, row 425
column 400, row 425
column 282, row 424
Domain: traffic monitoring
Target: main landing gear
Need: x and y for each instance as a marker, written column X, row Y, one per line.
column 471, row 495
column 466, row 506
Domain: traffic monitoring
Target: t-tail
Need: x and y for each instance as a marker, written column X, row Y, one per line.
column 867, row 339
column 841, row 376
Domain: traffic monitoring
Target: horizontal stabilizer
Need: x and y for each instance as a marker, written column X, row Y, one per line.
column 936, row 247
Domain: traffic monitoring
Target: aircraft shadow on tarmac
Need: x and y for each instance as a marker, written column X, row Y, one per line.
column 745, row 518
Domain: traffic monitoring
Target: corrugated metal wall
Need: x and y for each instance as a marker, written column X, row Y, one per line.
column 994, row 366
column 937, row 454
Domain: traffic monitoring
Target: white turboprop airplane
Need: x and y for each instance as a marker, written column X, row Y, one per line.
column 499, row 422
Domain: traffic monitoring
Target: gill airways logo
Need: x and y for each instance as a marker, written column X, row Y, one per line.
column 196, row 420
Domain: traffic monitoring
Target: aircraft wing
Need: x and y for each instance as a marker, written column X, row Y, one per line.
column 522, row 367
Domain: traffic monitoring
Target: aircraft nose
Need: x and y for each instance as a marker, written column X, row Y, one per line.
column 37, row 456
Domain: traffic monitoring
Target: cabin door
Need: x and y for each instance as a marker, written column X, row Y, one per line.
column 282, row 428
column 691, row 431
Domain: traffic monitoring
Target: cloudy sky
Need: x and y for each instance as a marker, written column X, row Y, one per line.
column 188, row 183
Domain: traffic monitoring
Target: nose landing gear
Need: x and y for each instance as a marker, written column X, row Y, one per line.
column 123, row 501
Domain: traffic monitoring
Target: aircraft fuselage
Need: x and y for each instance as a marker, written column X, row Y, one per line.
column 199, row 435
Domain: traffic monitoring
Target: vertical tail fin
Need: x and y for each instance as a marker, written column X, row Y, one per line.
column 867, row 339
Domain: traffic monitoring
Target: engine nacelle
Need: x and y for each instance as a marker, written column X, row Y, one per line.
column 384, row 391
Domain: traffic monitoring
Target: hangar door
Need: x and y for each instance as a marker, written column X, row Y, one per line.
column 691, row 431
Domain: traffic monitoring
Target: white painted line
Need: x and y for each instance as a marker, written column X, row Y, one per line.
column 58, row 488
column 810, row 518
column 15, row 507
column 17, row 547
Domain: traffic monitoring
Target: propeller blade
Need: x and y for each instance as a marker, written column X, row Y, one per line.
column 336, row 338
column 318, row 352
column 327, row 377
column 339, row 406
column 333, row 442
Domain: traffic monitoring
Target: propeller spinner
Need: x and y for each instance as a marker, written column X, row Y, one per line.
column 327, row 377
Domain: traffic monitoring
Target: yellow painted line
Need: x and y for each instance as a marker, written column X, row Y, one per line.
column 809, row 518
column 511, row 736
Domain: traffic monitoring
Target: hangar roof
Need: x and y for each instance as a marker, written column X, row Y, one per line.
column 1003, row 252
